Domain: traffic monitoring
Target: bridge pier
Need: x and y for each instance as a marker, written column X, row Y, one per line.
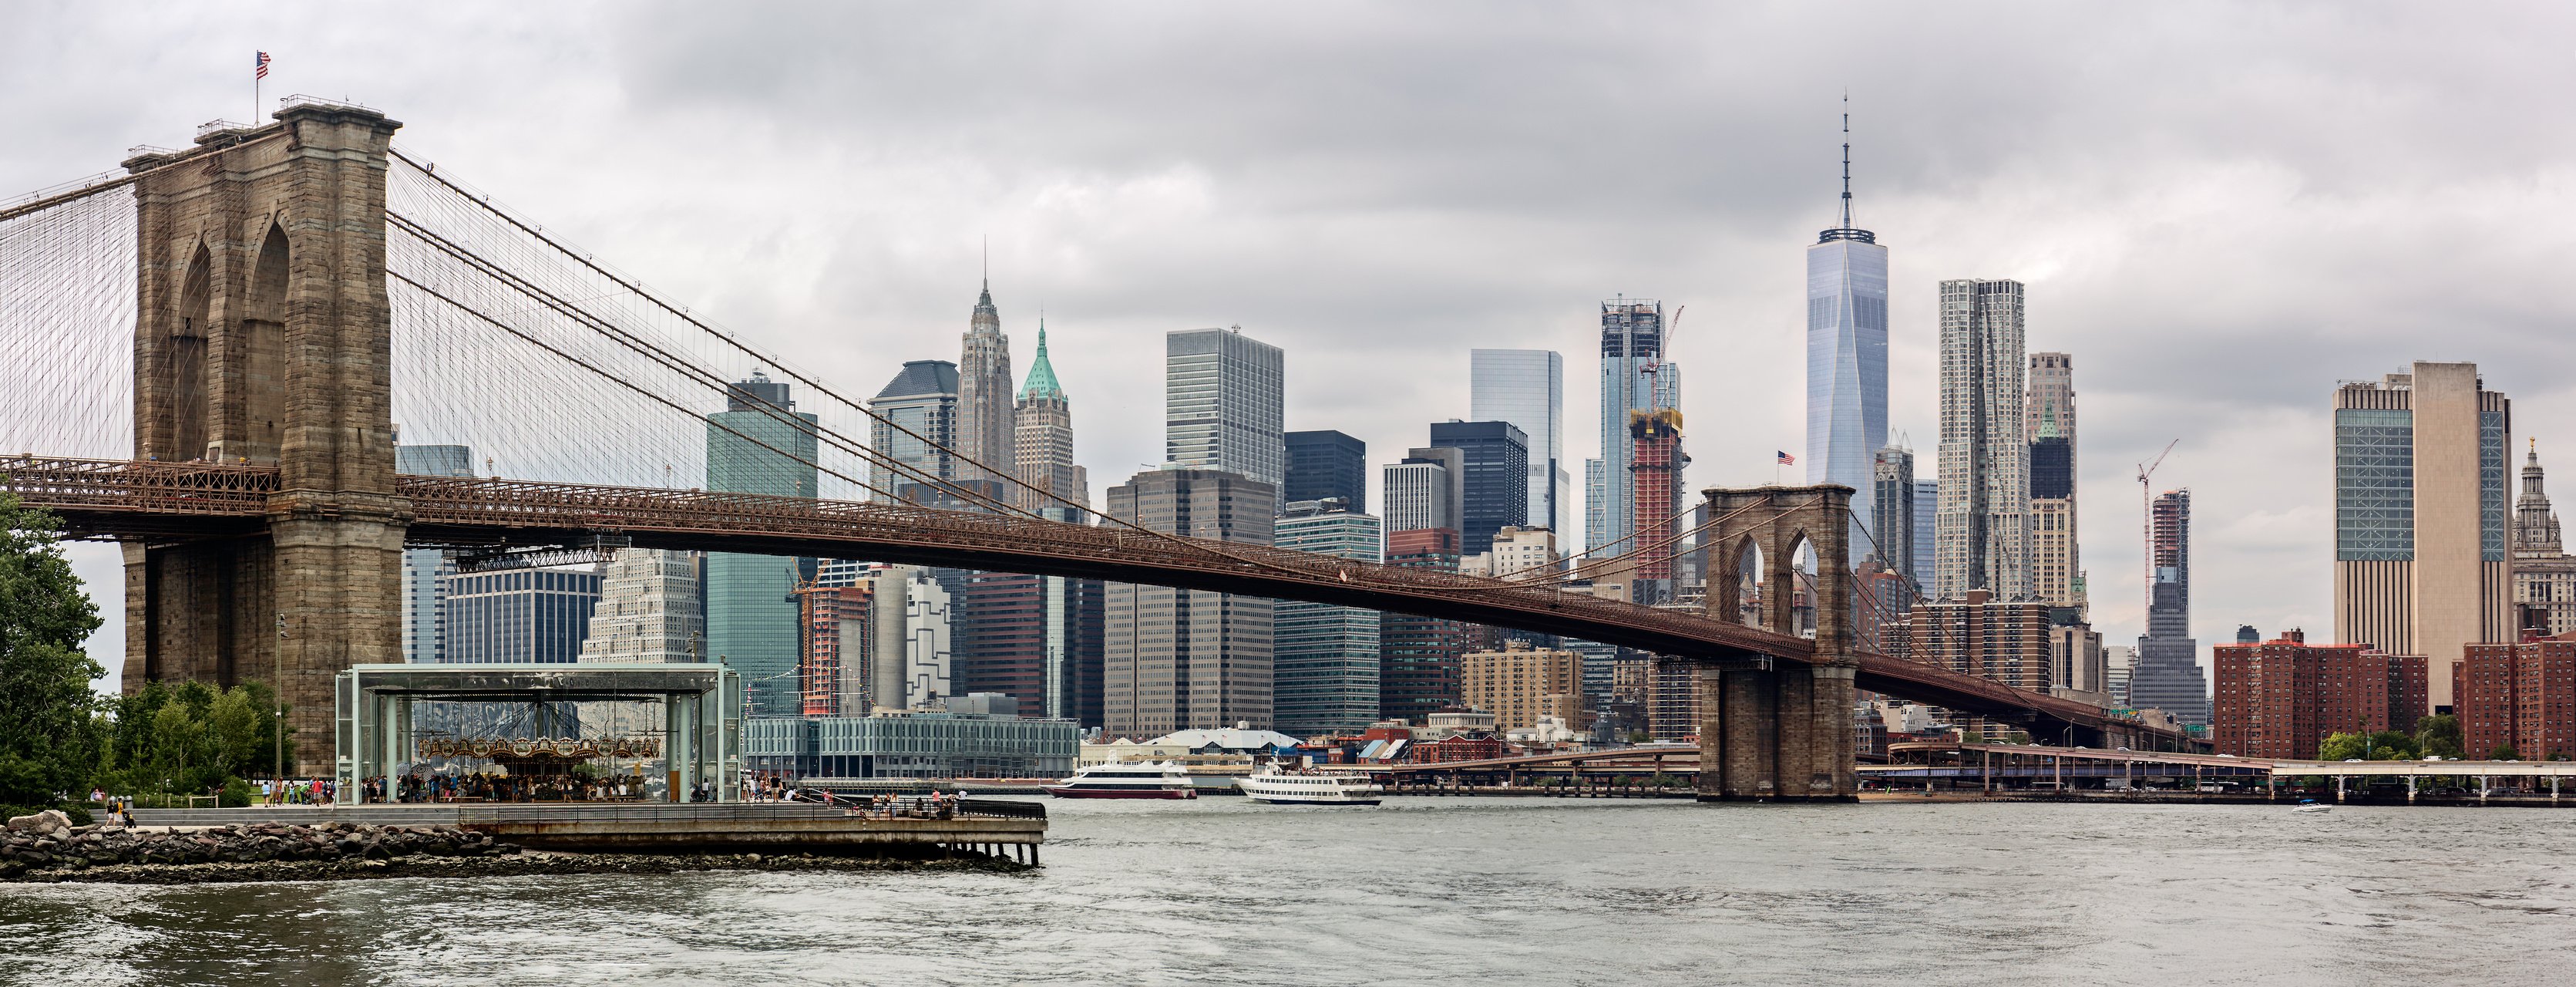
column 1776, row 735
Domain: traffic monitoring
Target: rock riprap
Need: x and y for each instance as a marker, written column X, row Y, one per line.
column 33, row 851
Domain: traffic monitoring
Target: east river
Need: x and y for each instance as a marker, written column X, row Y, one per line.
column 1441, row 891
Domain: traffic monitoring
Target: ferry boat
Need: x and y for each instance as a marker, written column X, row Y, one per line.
column 1308, row 788
column 1130, row 780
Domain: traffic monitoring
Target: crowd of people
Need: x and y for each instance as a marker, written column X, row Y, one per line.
column 297, row 791
column 481, row 787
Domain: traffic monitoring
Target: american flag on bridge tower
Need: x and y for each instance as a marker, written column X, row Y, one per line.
column 1788, row 460
column 259, row 68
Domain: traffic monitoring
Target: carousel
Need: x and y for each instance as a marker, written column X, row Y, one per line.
column 573, row 732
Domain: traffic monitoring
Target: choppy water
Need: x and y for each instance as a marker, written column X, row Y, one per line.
column 1442, row 891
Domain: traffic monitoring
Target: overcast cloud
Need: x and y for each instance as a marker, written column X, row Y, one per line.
column 2220, row 210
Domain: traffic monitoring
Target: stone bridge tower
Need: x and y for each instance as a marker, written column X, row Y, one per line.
column 1778, row 731
column 262, row 337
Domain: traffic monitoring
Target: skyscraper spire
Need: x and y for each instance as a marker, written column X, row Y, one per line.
column 1847, row 159
column 1847, row 231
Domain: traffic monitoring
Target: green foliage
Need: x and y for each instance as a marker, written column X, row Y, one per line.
column 238, row 794
column 2439, row 734
column 49, row 731
column 2503, row 752
column 191, row 739
column 2385, row 745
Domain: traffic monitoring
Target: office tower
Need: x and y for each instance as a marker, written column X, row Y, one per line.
column 2166, row 673
column 2076, row 667
column 1520, row 684
column 1423, row 490
column 1596, row 505
column 1518, row 555
column 985, row 415
column 1493, row 486
column 2279, row 698
column 758, row 445
column 1634, row 377
column 2421, row 559
column 1418, row 656
column 999, row 638
column 1983, row 525
column 1892, row 510
column 1325, row 465
column 1655, row 463
column 2116, row 664
column 2057, row 567
column 1324, row 662
column 916, row 426
column 1222, row 404
column 1042, row 440
column 1847, row 355
column 1527, row 389
column 425, row 570
column 649, row 609
column 523, row 616
column 1182, row 659
column 2544, row 575
column 929, row 634
column 833, row 675
column 1927, row 507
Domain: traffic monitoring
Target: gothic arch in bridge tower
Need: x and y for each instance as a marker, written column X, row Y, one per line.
column 258, row 405
column 184, row 362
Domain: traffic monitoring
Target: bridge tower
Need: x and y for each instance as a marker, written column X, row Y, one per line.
column 262, row 336
column 1775, row 731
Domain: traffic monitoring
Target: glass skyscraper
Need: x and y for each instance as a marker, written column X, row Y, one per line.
column 522, row 616
column 1527, row 389
column 1494, row 487
column 1324, row 671
column 1846, row 361
column 425, row 570
column 922, row 398
column 759, row 445
column 1634, row 377
column 1324, row 465
column 1222, row 404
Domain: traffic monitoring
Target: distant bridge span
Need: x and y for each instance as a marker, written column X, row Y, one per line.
column 197, row 501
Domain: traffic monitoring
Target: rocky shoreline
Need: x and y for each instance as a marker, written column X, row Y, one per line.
column 39, row 850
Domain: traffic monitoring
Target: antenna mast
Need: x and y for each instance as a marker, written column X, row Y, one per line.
column 1847, row 222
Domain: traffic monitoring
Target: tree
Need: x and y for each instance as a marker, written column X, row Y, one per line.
column 50, row 733
column 2439, row 734
column 2503, row 752
column 2384, row 745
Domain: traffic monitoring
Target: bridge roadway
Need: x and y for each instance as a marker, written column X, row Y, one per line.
column 192, row 501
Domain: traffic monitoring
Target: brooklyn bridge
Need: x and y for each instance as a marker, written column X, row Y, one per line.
column 214, row 345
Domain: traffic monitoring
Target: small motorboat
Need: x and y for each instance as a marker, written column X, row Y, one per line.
column 2312, row 805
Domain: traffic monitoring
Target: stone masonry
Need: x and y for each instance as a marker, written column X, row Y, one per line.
column 1780, row 732
column 263, row 336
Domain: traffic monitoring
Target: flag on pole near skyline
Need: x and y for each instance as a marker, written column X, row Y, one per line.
column 1787, row 460
column 259, row 67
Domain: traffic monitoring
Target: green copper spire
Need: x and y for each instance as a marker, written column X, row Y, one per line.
column 1041, row 382
column 2047, row 417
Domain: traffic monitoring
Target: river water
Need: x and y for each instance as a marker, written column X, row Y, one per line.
column 1442, row 891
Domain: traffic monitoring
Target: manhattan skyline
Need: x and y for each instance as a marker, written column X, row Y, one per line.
column 2322, row 226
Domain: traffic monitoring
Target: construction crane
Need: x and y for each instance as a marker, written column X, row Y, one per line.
column 2147, row 523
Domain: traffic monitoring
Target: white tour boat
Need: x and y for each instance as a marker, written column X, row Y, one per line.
column 1127, row 780
column 1308, row 787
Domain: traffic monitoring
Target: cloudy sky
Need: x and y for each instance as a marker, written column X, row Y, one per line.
column 2220, row 210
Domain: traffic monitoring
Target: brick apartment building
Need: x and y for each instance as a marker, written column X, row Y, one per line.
column 2279, row 698
column 2519, row 695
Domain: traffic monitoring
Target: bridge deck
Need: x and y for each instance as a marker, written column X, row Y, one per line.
column 149, row 500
